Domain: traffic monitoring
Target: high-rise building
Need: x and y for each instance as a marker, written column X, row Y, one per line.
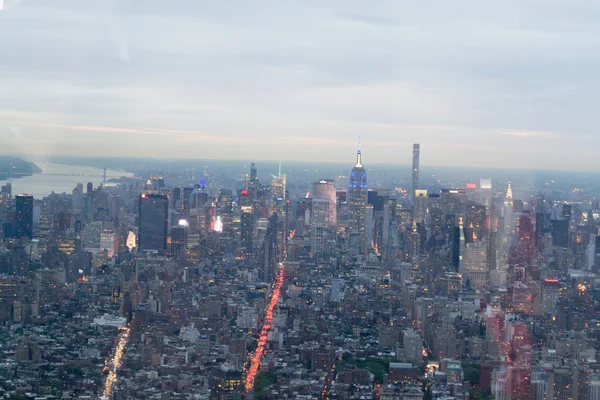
column 270, row 249
column 595, row 387
column 550, row 296
column 420, row 206
column 153, row 214
column 77, row 198
column 415, row 170
column 566, row 211
column 560, row 232
column 336, row 289
column 325, row 189
column 320, row 212
column 525, row 238
column 413, row 346
column 565, row 383
column 24, row 216
column 317, row 240
column 187, row 199
column 500, row 384
column 246, row 230
column 436, row 214
column 454, row 201
column 303, row 216
column 176, row 198
column 319, row 221
column 484, row 193
column 357, row 202
column 542, row 383
column 476, row 219
column 179, row 239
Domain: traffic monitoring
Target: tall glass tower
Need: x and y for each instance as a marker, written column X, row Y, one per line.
column 415, row 170
column 357, row 202
column 153, row 221
column 24, row 216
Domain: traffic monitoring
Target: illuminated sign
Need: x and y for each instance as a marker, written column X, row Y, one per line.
column 218, row 224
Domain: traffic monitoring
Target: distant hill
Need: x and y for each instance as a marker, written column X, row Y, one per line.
column 19, row 167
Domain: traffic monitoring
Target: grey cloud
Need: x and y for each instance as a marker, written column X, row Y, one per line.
column 448, row 74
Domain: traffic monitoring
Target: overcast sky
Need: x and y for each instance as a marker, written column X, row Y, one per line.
column 497, row 83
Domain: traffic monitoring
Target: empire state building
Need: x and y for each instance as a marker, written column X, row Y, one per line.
column 357, row 203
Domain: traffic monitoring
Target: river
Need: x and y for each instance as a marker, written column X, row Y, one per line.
column 59, row 178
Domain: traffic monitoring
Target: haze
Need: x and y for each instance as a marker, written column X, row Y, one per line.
column 497, row 84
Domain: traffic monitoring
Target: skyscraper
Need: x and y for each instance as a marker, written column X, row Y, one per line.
column 270, row 249
column 77, row 197
column 525, row 234
column 153, row 221
column 320, row 212
column 179, row 239
column 24, row 216
column 357, row 201
column 325, row 189
column 247, row 230
column 415, row 169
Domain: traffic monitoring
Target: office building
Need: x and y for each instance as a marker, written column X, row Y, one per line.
column 525, row 238
column 247, row 230
column 320, row 212
column 567, row 210
column 270, row 254
column 336, row 289
column 24, row 216
column 559, row 229
column 550, row 292
column 595, row 387
column 420, row 206
column 153, row 214
column 179, row 239
column 454, row 201
column 476, row 220
column 325, row 189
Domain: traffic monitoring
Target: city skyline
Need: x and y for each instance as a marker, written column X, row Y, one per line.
column 500, row 84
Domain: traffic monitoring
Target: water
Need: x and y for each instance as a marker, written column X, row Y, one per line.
column 59, row 178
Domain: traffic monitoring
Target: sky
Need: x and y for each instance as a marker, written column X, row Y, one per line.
column 508, row 83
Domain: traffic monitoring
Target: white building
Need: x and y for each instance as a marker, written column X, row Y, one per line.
column 110, row 320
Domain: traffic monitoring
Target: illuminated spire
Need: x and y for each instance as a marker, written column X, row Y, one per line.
column 509, row 195
column 279, row 168
column 358, row 155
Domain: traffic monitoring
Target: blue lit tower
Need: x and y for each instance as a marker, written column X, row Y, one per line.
column 357, row 202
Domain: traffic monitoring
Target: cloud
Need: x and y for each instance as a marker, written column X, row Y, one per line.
column 527, row 133
column 302, row 79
